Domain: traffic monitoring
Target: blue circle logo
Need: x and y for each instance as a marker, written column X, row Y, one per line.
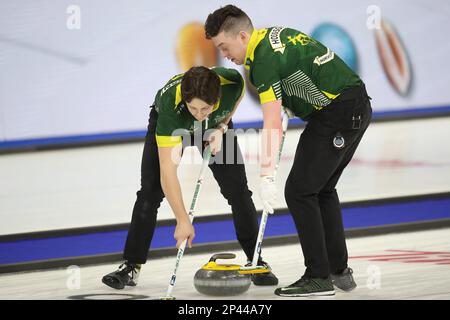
column 338, row 40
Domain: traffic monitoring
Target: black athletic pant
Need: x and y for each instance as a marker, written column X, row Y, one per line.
column 230, row 176
column 310, row 188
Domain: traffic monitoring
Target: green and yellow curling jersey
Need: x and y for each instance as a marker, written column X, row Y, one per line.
column 174, row 117
column 286, row 64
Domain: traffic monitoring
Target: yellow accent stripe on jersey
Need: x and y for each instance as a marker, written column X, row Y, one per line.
column 267, row 96
column 177, row 95
column 168, row 141
column 255, row 39
column 330, row 95
column 177, row 76
column 216, row 106
column 224, row 81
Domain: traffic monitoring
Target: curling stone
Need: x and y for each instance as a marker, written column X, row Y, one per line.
column 215, row 279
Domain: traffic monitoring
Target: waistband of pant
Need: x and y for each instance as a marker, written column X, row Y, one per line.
column 353, row 93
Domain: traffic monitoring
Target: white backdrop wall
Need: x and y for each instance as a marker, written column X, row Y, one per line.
column 100, row 78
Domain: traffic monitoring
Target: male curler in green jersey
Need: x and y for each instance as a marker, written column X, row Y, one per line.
column 292, row 70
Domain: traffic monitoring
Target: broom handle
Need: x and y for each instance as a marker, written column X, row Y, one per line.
column 265, row 215
column 206, row 158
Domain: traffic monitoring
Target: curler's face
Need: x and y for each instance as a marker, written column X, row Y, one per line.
column 199, row 109
column 232, row 46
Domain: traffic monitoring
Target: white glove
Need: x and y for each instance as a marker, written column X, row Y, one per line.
column 268, row 192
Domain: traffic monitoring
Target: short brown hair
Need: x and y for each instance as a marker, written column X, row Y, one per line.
column 201, row 83
column 228, row 18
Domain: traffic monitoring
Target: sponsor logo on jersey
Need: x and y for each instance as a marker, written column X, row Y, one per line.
column 301, row 38
column 170, row 85
column 221, row 116
column 275, row 40
column 325, row 58
column 180, row 108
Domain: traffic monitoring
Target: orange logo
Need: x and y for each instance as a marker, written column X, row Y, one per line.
column 193, row 49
